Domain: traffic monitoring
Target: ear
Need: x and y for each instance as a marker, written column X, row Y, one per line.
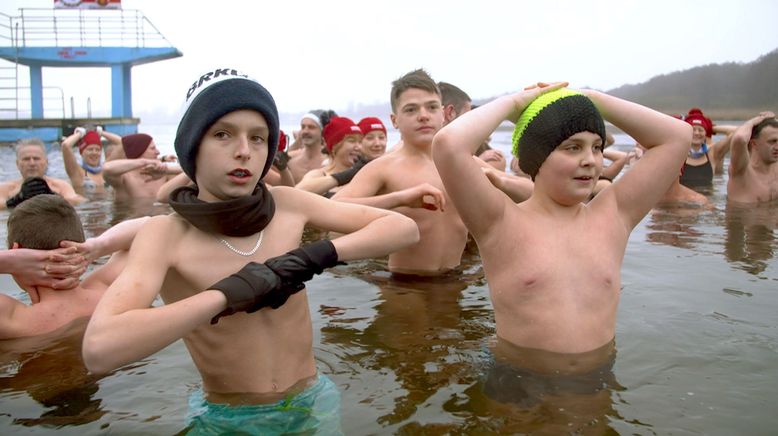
column 449, row 113
column 393, row 118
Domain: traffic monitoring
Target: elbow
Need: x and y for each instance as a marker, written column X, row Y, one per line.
column 94, row 354
column 409, row 229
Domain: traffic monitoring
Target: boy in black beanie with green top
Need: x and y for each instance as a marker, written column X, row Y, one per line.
column 553, row 261
column 229, row 267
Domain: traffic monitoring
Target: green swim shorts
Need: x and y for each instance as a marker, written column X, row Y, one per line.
column 316, row 410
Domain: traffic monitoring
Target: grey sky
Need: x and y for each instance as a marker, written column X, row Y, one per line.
column 335, row 53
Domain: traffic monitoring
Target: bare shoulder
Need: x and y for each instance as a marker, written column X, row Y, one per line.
column 7, row 187
column 7, row 306
column 289, row 198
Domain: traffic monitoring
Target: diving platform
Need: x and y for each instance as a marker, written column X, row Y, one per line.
column 71, row 38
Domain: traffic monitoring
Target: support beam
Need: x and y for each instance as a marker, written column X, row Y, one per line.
column 36, row 91
column 121, row 90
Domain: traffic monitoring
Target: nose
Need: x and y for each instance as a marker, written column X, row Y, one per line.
column 242, row 150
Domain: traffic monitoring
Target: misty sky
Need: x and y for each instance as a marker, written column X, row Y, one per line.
column 313, row 54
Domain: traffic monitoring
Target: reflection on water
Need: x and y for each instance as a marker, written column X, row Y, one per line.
column 697, row 347
column 750, row 236
column 48, row 369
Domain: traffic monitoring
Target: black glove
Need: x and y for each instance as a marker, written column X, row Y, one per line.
column 259, row 285
column 31, row 187
column 247, row 289
column 281, row 160
column 345, row 176
column 298, row 266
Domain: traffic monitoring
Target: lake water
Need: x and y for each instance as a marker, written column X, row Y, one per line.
column 696, row 342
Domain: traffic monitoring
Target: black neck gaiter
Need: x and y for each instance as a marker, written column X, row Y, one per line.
column 242, row 216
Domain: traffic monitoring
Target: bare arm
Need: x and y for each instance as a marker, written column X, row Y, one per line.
column 667, row 142
column 163, row 193
column 66, row 190
column 72, row 168
column 124, row 327
column 738, row 162
column 478, row 203
column 114, row 169
column 117, row 238
column 368, row 232
column 60, row 268
column 613, row 170
column 369, row 181
column 317, row 181
column 516, row 187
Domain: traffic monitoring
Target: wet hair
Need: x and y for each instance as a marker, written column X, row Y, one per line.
column 29, row 141
column 43, row 221
column 772, row 122
column 452, row 95
column 418, row 79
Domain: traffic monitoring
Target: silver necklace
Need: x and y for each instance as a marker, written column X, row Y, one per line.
column 245, row 253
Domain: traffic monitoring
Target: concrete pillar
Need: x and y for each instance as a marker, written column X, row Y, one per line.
column 121, row 90
column 36, row 91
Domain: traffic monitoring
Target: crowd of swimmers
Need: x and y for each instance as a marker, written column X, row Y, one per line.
column 229, row 265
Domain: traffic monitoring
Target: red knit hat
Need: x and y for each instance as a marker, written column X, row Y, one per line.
column 371, row 124
column 337, row 129
column 282, row 140
column 135, row 145
column 695, row 117
column 90, row 138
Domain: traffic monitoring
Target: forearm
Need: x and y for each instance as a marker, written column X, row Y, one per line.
column 118, row 237
column 163, row 194
column 317, row 185
column 647, row 126
column 385, row 201
column 464, row 135
column 114, row 340
column 118, row 167
column 380, row 237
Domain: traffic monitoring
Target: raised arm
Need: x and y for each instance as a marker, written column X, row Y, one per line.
column 478, row 203
column 738, row 162
column 72, row 168
column 667, row 142
column 114, row 169
column 124, row 327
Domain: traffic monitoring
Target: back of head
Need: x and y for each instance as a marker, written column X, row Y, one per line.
column 452, row 95
column 548, row 121
column 416, row 79
column 767, row 122
column 43, row 221
column 213, row 95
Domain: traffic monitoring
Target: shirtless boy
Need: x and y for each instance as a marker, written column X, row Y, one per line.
column 753, row 166
column 407, row 181
column 141, row 174
column 248, row 332
column 32, row 162
column 553, row 261
column 44, row 223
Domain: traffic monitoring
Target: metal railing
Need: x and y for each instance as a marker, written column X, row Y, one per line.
column 20, row 106
column 79, row 28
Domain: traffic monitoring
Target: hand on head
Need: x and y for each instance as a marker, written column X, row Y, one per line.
column 523, row 98
column 58, row 269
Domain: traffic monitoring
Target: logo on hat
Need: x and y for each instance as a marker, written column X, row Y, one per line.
column 215, row 75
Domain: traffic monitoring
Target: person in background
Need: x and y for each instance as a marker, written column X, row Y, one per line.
column 374, row 139
column 753, row 166
column 32, row 162
column 342, row 137
column 311, row 156
column 87, row 176
column 703, row 160
column 141, row 174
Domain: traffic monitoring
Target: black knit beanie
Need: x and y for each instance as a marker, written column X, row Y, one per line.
column 548, row 121
column 214, row 95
